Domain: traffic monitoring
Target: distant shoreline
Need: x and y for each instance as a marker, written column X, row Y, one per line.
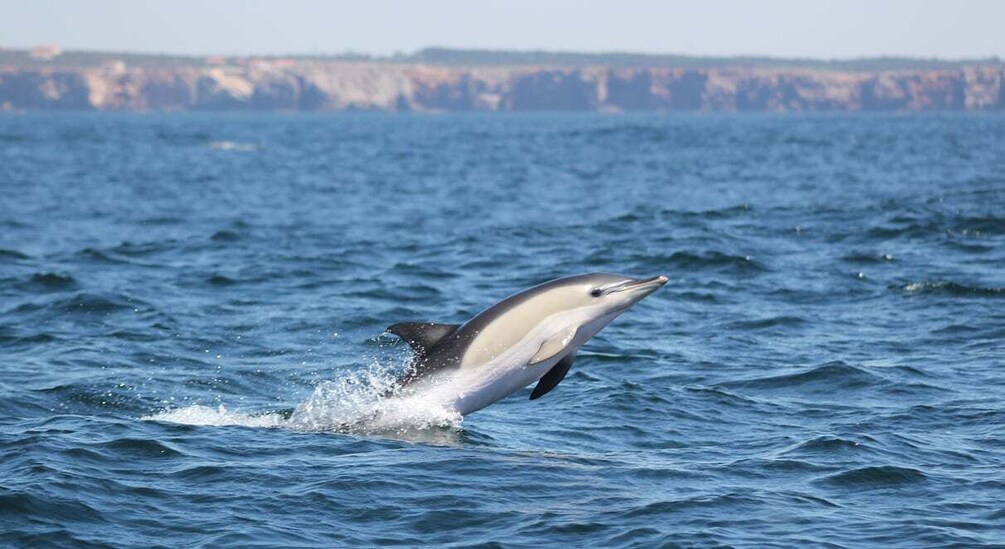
column 446, row 80
column 22, row 58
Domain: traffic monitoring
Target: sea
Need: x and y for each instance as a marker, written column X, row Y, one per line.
column 194, row 305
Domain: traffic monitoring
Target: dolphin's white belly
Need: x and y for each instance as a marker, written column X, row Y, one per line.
column 470, row 389
column 477, row 388
column 466, row 391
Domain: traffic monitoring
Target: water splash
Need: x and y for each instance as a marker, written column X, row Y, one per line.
column 233, row 146
column 365, row 402
column 357, row 402
column 219, row 416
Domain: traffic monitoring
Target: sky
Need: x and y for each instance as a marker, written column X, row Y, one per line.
column 831, row 29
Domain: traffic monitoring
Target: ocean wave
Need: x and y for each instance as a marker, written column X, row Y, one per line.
column 15, row 502
column 698, row 297
column 828, row 445
column 867, row 258
column 723, row 397
column 926, row 224
column 90, row 303
column 140, row 448
column 717, row 502
column 783, row 321
column 220, row 280
column 32, row 339
column 99, row 256
column 79, row 303
column 225, row 235
column 181, row 137
column 649, row 213
column 723, row 213
column 826, row 377
column 941, row 287
column 166, row 220
column 6, row 253
column 910, row 230
column 716, row 260
column 636, row 133
column 52, row 282
column 141, row 249
column 978, row 225
column 876, row 477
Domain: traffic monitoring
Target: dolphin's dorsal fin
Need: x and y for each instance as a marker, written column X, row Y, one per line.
column 422, row 335
column 555, row 375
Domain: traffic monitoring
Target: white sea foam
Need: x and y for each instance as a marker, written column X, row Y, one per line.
column 360, row 402
column 233, row 146
column 207, row 415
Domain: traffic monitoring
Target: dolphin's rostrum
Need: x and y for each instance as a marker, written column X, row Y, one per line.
column 527, row 337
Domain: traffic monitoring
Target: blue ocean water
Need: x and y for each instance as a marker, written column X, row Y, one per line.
column 191, row 303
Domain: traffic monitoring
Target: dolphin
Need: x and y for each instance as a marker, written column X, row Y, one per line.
column 528, row 337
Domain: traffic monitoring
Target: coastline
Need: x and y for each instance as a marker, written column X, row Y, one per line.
column 111, row 82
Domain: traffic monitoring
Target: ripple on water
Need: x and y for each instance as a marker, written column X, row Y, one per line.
column 868, row 258
column 824, row 378
column 829, row 446
column 142, row 249
column 715, row 260
column 881, row 476
column 225, row 235
column 95, row 255
column 52, row 282
column 16, row 340
column 13, row 254
column 136, row 448
column 220, row 280
column 91, row 302
column 782, row 321
column 81, row 304
column 14, row 503
column 953, row 289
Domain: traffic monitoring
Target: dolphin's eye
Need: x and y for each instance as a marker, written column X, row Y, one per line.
column 596, row 292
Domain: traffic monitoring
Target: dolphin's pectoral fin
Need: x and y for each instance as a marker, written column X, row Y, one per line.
column 553, row 346
column 422, row 335
column 554, row 376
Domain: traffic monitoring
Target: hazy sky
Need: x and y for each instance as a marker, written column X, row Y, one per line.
column 791, row 28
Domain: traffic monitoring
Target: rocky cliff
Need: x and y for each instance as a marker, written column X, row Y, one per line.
column 313, row 85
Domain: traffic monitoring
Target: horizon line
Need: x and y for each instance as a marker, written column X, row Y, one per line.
column 415, row 55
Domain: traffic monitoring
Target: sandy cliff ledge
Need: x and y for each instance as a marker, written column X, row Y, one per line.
column 384, row 86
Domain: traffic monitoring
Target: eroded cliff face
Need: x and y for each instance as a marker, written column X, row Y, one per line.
column 339, row 86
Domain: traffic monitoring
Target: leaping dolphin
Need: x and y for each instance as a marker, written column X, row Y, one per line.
column 527, row 337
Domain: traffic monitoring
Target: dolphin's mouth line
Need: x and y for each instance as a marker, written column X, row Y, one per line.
column 654, row 282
